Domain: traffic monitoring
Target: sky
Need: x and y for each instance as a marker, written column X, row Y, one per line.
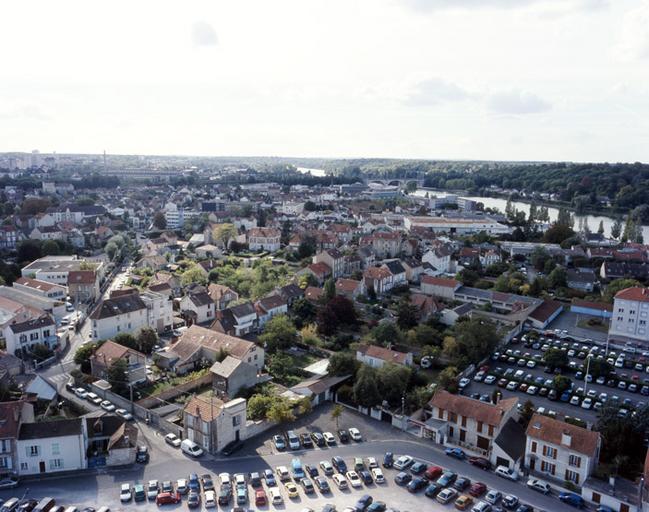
column 434, row 79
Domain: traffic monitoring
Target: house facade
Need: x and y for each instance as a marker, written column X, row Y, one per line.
column 561, row 451
column 630, row 318
column 376, row 357
column 109, row 353
column 201, row 304
column 334, row 259
column 470, row 423
column 125, row 313
column 264, row 239
column 21, row 337
column 212, row 423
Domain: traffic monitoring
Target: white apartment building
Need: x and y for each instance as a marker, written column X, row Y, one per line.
column 41, row 288
column 21, row 337
column 49, row 447
column 631, row 314
column 124, row 313
column 55, row 269
column 264, row 239
column 561, row 451
column 456, row 225
column 176, row 217
column 159, row 310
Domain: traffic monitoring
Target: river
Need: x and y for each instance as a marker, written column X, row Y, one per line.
column 497, row 202
column 314, row 172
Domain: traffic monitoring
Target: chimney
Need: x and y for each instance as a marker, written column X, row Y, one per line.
column 566, row 439
column 611, row 481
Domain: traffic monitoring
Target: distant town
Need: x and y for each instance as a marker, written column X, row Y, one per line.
column 311, row 334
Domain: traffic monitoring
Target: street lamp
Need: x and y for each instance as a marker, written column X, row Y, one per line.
column 588, row 358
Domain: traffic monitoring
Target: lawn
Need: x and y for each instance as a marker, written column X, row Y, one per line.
column 603, row 327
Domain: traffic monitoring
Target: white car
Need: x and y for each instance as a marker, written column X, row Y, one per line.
column 403, row 462
column 326, row 467
column 173, row 440
column 225, row 479
column 464, row 383
column 340, row 481
column 446, row 495
column 81, row 393
column 587, row 403
column 93, row 398
column 574, row 400
column 125, row 493
column 493, row 496
column 354, row 479
column 282, row 473
column 152, row 489
column 377, row 475
column 371, row 462
column 107, row 406
column 124, row 414
column 538, row 485
column 490, row 379
column 274, row 496
column 507, row 473
column 210, row 499
column 482, row 506
column 355, row 434
column 329, row 437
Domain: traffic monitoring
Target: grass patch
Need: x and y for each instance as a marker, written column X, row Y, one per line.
column 160, row 386
column 584, row 324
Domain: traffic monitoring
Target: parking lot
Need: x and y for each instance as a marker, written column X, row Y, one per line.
column 519, row 370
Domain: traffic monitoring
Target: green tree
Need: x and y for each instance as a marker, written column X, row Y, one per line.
column 117, row 376
column 476, row 339
column 50, row 248
column 393, row 381
column 258, row 406
column 194, row 274
column 280, row 411
column 561, row 383
column 159, row 221
column 621, row 438
column 280, row 366
column 225, row 233
column 407, row 313
column 126, row 340
column 527, row 411
column 366, row 389
column 111, row 250
column 618, row 285
column 342, row 363
column 616, row 228
column 447, row 379
column 303, row 312
column 423, row 335
column 556, row 358
column 307, row 247
column 336, row 414
column 387, row 333
column 557, row 233
column 467, row 276
column 304, row 406
column 329, row 290
column 147, row 338
column 82, row 356
column 539, row 257
column 558, row 277
column 279, row 334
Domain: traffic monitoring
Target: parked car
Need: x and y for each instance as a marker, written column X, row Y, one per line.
column 173, row 440
column 279, row 442
column 403, row 478
column 403, row 462
column 306, row 441
column 446, row 495
column 166, row 498
column 480, row 462
column 573, row 499
column 343, row 435
column 456, row 453
column 417, row 484
column 538, row 485
column 388, row 460
column 355, row 434
column 142, row 454
column 125, row 493
column 505, row 472
column 447, row 478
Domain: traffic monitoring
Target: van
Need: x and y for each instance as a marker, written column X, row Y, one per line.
column 45, row 505
column 293, row 440
column 191, row 448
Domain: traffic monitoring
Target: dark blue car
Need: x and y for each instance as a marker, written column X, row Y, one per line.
column 458, row 453
column 388, row 459
column 572, row 499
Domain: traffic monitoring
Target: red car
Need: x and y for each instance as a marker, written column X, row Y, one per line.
column 477, row 489
column 480, row 462
column 433, row 473
column 167, row 498
column 260, row 497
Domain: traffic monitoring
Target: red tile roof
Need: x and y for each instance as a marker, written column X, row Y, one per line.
column 637, row 293
column 468, row 407
column 385, row 354
column 440, row 281
column 550, row 430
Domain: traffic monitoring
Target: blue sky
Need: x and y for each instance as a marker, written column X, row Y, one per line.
column 462, row 79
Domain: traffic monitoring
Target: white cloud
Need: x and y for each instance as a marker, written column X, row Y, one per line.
column 517, row 103
column 434, row 91
column 634, row 37
column 431, row 5
column 203, row 34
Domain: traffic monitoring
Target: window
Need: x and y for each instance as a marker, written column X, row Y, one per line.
column 56, row 450
column 33, row 336
column 440, row 414
column 5, row 445
column 546, row 467
column 24, row 466
column 533, row 448
column 4, row 462
column 550, row 452
column 23, row 338
column 620, row 310
column 452, row 417
column 491, row 430
column 572, row 476
column 620, row 318
column 632, row 312
column 643, row 322
column 56, row 464
column 46, row 333
column 464, row 421
column 480, row 426
column 236, row 421
column 574, row 460
column 32, row 451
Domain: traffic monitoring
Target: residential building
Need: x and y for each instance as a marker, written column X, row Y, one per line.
column 231, row 375
column 631, row 314
column 467, row 422
column 320, row 271
column 376, row 357
column 264, row 239
column 212, row 423
column 334, row 259
column 197, row 344
column 111, row 352
column 51, row 447
column 239, row 320
column 350, row 288
column 55, row 269
column 12, row 415
column 397, row 271
column 123, row 313
column 581, row 279
column 41, row 288
column 21, row 337
column 201, row 306
column 379, row 279
column 221, row 295
column 83, row 285
column 270, row 306
column 439, row 258
column 561, row 451
column 439, row 287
